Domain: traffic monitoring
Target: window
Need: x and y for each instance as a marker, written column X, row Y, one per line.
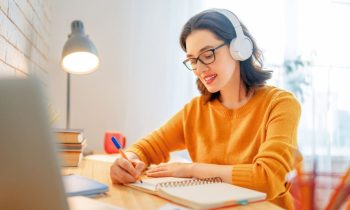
column 316, row 32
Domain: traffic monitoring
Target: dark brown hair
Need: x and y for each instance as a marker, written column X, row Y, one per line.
column 251, row 71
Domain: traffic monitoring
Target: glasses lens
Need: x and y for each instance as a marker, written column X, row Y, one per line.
column 207, row 57
column 191, row 64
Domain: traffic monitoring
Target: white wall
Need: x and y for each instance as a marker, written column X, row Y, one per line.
column 141, row 81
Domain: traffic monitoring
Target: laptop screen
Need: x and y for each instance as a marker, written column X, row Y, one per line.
column 30, row 176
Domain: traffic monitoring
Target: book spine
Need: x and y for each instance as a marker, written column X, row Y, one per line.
column 69, row 137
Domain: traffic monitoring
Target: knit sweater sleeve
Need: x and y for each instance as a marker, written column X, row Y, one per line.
column 156, row 147
column 278, row 153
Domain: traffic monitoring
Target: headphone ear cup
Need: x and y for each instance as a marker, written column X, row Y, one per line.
column 241, row 48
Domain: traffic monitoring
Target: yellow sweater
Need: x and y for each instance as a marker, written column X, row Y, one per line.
column 258, row 139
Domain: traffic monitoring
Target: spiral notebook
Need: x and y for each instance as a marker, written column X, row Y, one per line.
column 198, row 193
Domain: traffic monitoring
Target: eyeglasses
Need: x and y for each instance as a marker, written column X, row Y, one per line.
column 206, row 57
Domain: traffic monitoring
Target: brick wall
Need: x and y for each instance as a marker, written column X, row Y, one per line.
column 24, row 34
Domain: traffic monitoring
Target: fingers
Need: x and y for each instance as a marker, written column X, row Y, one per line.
column 161, row 171
column 126, row 166
column 157, row 169
column 120, row 176
column 122, row 171
column 171, row 169
column 159, row 174
column 139, row 166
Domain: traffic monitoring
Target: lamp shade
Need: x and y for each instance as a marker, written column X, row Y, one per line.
column 79, row 55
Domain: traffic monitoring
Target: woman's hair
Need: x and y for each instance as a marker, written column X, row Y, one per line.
column 251, row 71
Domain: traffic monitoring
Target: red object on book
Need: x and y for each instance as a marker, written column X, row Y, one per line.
column 108, row 144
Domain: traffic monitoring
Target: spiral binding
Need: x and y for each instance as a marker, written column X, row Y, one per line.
column 190, row 182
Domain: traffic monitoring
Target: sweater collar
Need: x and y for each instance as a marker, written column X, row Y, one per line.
column 242, row 110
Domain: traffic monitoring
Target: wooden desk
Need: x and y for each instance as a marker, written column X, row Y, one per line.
column 132, row 199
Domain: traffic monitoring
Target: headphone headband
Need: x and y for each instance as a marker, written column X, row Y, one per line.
column 231, row 17
column 241, row 47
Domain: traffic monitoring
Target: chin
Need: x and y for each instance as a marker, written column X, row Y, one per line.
column 212, row 89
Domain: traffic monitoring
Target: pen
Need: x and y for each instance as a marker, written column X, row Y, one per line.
column 116, row 143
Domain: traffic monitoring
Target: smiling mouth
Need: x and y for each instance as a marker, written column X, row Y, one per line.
column 210, row 78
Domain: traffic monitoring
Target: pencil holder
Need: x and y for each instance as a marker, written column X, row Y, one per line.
column 108, row 144
column 321, row 191
column 303, row 186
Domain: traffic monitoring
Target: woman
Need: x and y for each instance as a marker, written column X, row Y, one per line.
column 239, row 129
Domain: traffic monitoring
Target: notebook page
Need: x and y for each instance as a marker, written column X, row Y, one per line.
column 210, row 195
column 149, row 185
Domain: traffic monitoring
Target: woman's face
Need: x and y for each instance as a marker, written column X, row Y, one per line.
column 217, row 75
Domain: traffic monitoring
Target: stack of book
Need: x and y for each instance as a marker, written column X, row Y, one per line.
column 71, row 143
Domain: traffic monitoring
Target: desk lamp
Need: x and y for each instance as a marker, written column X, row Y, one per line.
column 79, row 56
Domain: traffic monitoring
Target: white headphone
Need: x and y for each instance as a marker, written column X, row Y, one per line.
column 241, row 47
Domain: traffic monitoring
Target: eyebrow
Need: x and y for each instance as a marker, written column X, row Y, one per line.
column 201, row 50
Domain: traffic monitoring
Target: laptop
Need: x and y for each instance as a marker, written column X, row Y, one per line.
column 30, row 175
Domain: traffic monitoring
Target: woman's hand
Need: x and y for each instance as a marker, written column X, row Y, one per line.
column 123, row 171
column 192, row 170
column 171, row 169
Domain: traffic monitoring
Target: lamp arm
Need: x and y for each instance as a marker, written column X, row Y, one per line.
column 68, row 102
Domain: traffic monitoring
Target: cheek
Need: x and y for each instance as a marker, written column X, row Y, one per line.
column 196, row 73
column 229, row 67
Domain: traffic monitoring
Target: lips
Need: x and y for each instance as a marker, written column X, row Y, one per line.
column 209, row 78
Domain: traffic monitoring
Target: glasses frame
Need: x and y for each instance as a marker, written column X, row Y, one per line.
column 198, row 59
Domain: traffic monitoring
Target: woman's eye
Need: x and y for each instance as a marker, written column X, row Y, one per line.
column 209, row 56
